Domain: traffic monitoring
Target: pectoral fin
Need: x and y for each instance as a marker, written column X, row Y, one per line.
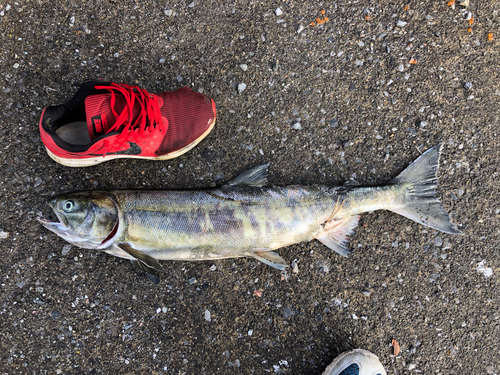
column 141, row 267
column 271, row 259
column 336, row 232
column 143, row 258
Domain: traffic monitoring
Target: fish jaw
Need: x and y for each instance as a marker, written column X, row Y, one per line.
column 59, row 228
column 62, row 231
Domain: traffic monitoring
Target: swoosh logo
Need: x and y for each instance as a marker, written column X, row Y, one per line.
column 133, row 150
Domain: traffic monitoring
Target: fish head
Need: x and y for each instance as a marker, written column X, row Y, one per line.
column 86, row 219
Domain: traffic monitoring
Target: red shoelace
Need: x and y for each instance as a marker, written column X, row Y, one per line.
column 149, row 113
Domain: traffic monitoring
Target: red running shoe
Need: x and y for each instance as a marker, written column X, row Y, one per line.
column 105, row 121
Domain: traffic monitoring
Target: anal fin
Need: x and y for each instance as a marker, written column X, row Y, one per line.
column 336, row 233
column 271, row 259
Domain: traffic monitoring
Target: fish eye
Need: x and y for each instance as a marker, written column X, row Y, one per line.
column 68, row 205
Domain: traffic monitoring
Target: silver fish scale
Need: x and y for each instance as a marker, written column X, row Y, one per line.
column 243, row 218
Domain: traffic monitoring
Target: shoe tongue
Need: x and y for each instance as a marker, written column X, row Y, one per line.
column 100, row 118
column 99, row 115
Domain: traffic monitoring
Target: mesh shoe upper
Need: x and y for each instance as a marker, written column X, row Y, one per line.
column 186, row 117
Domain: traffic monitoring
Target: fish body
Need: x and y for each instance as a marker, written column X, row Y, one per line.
column 241, row 219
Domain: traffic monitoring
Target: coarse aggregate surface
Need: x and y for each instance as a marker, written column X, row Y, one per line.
column 354, row 99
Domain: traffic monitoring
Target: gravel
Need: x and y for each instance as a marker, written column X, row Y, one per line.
column 433, row 288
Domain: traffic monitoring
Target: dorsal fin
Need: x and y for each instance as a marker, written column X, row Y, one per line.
column 257, row 176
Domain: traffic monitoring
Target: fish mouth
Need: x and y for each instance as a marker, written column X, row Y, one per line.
column 58, row 227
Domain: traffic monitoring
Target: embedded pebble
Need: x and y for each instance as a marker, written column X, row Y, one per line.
column 297, row 126
column 468, row 86
column 486, row 271
column 244, row 67
column 438, row 241
column 180, row 78
column 241, row 87
column 66, row 249
column 278, row 11
column 3, row 235
column 300, row 29
column 401, row 23
column 287, row 312
column 208, row 316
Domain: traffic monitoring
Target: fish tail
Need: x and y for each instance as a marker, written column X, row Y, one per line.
column 419, row 201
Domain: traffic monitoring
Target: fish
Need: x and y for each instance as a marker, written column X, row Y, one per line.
column 243, row 218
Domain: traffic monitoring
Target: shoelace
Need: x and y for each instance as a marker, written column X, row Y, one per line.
column 149, row 108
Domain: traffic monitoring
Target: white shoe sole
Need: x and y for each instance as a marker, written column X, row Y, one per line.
column 88, row 162
column 368, row 362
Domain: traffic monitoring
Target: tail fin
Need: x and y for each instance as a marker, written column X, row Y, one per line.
column 420, row 202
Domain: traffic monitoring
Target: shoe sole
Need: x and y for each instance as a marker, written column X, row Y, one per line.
column 88, row 162
column 342, row 357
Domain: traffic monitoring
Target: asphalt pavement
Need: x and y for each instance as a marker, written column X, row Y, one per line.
column 349, row 95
